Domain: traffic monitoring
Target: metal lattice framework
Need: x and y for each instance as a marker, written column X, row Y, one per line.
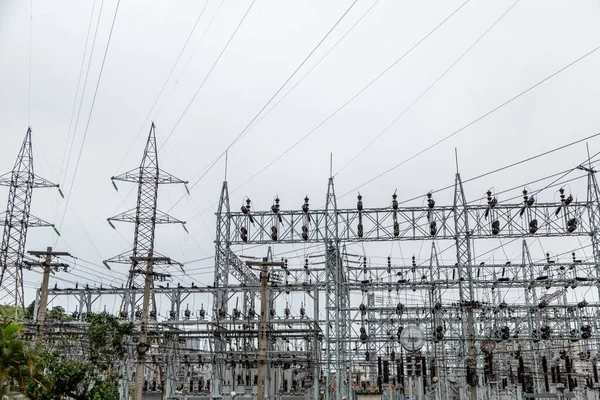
column 17, row 219
column 491, row 328
column 145, row 216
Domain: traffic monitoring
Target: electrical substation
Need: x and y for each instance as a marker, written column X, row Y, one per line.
column 366, row 322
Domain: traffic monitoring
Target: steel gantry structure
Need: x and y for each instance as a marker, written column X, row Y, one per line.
column 17, row 219
column 526, row 325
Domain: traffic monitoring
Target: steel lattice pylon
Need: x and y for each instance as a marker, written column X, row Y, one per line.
column 145, row 217
column 21, row 182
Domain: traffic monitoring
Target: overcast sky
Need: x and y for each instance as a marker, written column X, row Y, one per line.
column 532, row 41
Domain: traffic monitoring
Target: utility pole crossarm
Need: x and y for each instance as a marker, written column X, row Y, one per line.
column 48, row 265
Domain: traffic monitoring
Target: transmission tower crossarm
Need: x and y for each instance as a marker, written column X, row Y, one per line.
column 132, row 216
column 35, row 222
column 162, row 177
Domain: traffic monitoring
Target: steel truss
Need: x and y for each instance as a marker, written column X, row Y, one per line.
column 491, row 329
column 17, row 219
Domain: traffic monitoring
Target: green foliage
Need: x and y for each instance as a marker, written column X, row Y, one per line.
column 11, row 312
column 104, row 391
column 107, row 341
column 67, row 379
column 29, row 310
column 20, row 363
column 58, row 314
column 93, row 378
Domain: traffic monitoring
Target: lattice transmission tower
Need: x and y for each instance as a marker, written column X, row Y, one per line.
column 17, row 218
column 145, row 216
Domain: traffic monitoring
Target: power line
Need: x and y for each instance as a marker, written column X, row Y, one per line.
column 248, row 127
column 429, row 88
column 386, row 70
column 165, row 83
column 87, row 72
column 335, row 112
column 523, row 161
column 87, row 38
column 209, row 72
column 90, row 113
column 314, row 66
column 475, row 121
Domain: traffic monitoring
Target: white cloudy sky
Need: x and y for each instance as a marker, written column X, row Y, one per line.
column 532, row 41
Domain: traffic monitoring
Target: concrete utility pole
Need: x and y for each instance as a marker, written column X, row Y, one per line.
column 262, row 326
column 143, row 346
column 48, row 265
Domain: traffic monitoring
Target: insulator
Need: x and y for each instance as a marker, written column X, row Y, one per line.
column 399, row 308
column 394, row 201
column 433, row 228
column 542, row 304
column 153, row 314
column 359, row 203
column 187, row 313
column 586, row 332
column 305, row 205
column 244, row 234
column 202, row 313
column 275, row 207
column 274, row 232
column 533, row 226
column 363, row 337
column 396, row 229
column 430, row 201
column 302, row 311
column 273, row 312
column 495, row 227
column 367, row 356
column 360, row 230
column 244, row 209
column 546, row 331
column 400, row 329
column 172, row 314
column 569, row 200
column 362, row 308
column 572, row 225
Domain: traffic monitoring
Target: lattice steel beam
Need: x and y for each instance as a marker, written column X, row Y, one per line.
column 21, row 182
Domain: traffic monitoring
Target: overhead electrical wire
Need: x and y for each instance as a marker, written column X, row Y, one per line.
column 87, row 38
column 190, row 58
column 387, row 69
column 439, row 78
column 210, row 71
column 165, row 82
column 248, row 127
column 90, row 114
column 85, row 81
column 475, row 120
column 312, row 68
column 505, row 167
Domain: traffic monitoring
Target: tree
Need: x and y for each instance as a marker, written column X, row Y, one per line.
column 20, row 362
column 95, row 378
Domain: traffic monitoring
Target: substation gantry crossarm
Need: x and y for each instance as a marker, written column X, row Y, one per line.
column 414, row 223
